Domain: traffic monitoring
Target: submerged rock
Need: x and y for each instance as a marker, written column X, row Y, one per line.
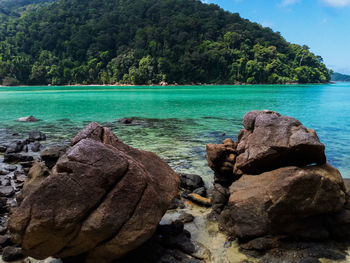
column 27, row 119
column 36, row 136
column 104, row 198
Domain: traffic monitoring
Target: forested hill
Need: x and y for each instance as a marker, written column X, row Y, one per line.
column 340, row 77
column 148, row 41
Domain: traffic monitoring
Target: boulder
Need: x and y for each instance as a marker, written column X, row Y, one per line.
column 103, row 199
column 270, row 141
column 191, row 181
column 36, row 136
column 6, row 190
column 51, row 155
column 36, row 175
column 27, row 119
column 12, row 254
column 14, row 147
column 275, row 201
column 36, row 147
column 16, row 157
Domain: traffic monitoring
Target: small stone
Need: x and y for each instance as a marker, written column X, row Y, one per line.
column 2, row 148
column 36, row 147
column 15, row 147
column 186, row 218
column 191, row 181
column 36, row 136
column 11, row 168
column 4, row 172
column 6, row 191
column 4, row 240
column 27, row 119
column 27, row 164
column 200, row 200
column 12, row 254
column 201, row 191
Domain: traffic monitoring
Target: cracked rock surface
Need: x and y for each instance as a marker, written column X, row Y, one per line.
column 103, row 199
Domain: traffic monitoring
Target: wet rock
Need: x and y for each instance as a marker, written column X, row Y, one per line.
column 4, row 172
column 36, row 136
column 200, row 200
column 12, row 254
column 201, row 191
column 36, row 175
column 11, row 168
column 3, row 148
column 4, row 240
column 104, row 198
column 36, row 147
column 219, row 199
column 310, row 260
column 6, row 191
column 261, row 243
column 270, row 141
column 26, row 164
column 177, row 204
column 191, row 181
column 27, row 119
column 3, row 205
column 51, row 155
column 270, row 202
column 186, row 217
column 126, row 120
column 3, row 230
column 5, row 181
column 15, row 147
column 16, row 157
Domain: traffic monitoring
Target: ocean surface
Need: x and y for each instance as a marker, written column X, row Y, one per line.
column 177, row 122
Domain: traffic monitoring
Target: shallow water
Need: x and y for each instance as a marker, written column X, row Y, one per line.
column 177, row 122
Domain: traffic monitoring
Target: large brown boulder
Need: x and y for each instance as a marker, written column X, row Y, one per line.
column 104, row 199
column 271, row 141
column 278, row 201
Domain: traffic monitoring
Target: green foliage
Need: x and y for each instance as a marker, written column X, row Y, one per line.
column 145, row 42
column 340, row 77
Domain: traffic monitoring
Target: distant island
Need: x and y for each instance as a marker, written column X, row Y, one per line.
column 144, row 42
column 340, row 77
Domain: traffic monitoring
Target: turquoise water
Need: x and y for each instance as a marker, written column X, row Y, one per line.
column 177, row 122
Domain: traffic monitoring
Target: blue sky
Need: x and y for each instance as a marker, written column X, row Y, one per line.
column 323, row 25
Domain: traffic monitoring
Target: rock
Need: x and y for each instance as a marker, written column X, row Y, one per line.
column 6, row 191
column 51, row 155
column 28, row 119
column 36, row 175
column 191, row 181
column 11, row 168
column 261, row 243
column 186, row 217
column 270, row 141
column 36, row 136
column 4, row 240
column 4, row 172
column 275, row 200
column 219, row 199
column 12, row 254
column 26, row 164
column 15, row 147
column 36, row 147
column 3, row 148
column 310, row 260
column 126, row 120
column 104, row 198
column 201, row 191
column 200, row 200
column 16, row 157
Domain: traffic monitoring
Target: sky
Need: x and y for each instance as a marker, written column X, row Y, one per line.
column 323, row 25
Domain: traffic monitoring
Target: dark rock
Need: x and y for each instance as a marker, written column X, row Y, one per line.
column 36, row 136
column 26, row 164
column 11, row 168
column 191, row 181
column 219, row 198
column 16, row 157
column 28, row 119
column 3, row 204
column 273, row 200
column 6, row 191
column 15, row 147
column 4, row 172
column 3, row 148
column 177, row 203
column 25, row 148
column 271, row 141
column 262, row 243
column 103, row 198
column 3, row 230
column 4, row 240
column 36, row 147
column 5, row 181
column 12, row 254
column 186, row 217
column 51, row 155
column 201, row 191
column 126, row 120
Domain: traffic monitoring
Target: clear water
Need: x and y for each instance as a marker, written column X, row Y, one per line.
column 177, row 122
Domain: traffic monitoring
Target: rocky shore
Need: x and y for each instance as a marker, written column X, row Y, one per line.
column 274, row 199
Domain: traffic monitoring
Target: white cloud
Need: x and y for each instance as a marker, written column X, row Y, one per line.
column 288, row 2
column 337, row 3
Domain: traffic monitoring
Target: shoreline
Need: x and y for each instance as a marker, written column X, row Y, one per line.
column 168, row 85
